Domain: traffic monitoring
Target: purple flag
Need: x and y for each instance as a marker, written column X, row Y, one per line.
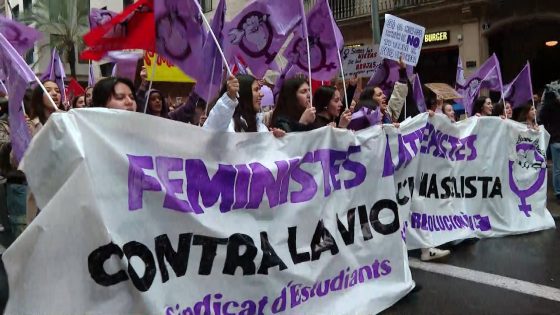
column 22, row 37
column 460, row 76
column 418, row 94
column 325, row 40
column 364, row 118
column 180, row 35
column 55, row 72
column 286, row 15
column 487, row 76
column 125, row 63
column 386, row 75
column 18, row 75
column 253, row 35
column 91, row 75
column 98, row 17
column 209, row 85
column 520, row 90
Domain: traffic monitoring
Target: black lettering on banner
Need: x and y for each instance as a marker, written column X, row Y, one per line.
column 364, row 223
column 347, row 234
column 245, row 260
column 322, row 241
column 270, row 258
column 136, row 249
column 292, row 246
column 178, row 260
column 384, row 229
column 97, row 259
column 209, row 248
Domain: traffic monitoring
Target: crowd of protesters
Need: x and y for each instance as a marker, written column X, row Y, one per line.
column 239, row 108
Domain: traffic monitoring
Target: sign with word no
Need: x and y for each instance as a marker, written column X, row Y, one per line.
column 401, row 38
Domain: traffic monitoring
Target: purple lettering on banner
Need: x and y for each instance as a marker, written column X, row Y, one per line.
column 357, row 168
column 263, row 181
column 284, row 189
column 164, row 165
column 449, row 222
column 242, row 186
column 415, row 220
column 138, row 181
column 388, row 168
column 306, row 180
column 334, row 157
column 323, row 156
column 200, row 184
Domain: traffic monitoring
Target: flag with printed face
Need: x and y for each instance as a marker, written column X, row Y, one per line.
column 180, row 35
column 520, row 90
column 325, row 40
column 254, row 36
column 98, row 17
column 20, row 36
column 208, row 86
column 386, row 75
column 487, row 76
column 18, row 76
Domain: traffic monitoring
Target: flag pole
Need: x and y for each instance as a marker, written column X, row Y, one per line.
column 306, row 35
column 213, row 37
column 531, row 86
column 152, row 75
column 343, row 80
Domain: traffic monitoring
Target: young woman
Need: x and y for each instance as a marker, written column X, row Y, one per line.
column 41, row 106
column 238, row 114
column 448, row 111
column 482, row 106
column 88, row 98
column 293, row 111
column 527, row 116
column 115, row 93
column 79, row 102
column 498, row 110
column 328, row 106
column 157, row 105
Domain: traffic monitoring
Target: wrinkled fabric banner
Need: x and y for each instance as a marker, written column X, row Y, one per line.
column 482, row 177
column 241, row 223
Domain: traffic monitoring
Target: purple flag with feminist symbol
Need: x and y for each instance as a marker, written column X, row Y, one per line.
column 418, row 94
column 487, row 76
column 386, row 75
column 18, row 76
column 325, row 40
column 253, row 35
column 520, row 90
column 22, row 37
column 180, row 35
column 209, row 85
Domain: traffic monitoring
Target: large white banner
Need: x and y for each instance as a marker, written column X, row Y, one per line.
column 480, row 177
column 142, row 215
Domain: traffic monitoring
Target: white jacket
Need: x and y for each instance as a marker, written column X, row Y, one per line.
column 220, row 117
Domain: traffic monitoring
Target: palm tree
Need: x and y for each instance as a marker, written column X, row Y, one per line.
column 65, row 21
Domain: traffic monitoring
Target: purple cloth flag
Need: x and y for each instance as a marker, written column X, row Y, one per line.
column 22, row 37
column 418, row 94
column 210, row 84
column 91, row 75
column 325, row 40
column 98, row 17
column 253, row 35
column 55, row 72
column 18, row 76
column 460, row 76
column 520, row 90
column 386, row 75
column 487, row 76
column 180, row 35
column 286, row 15
column 125, row 63
column 364, row 118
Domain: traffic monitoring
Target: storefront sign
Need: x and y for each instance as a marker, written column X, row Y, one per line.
column 437, row 37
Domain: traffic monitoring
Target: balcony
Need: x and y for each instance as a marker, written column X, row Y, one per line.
column 350, row 9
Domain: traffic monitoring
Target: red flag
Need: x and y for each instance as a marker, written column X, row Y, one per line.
column 74, row 89
column 134, row 28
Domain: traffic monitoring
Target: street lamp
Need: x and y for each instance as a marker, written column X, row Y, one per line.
column 551, row 43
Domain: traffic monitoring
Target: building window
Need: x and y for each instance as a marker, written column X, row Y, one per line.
column 27, row 5
column 206, row 5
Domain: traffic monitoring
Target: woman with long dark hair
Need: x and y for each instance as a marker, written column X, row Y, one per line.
column 238, row 108
column 157, row 106
column 115, row 93
column 41, row 106
column 328, row 105
column 482, row 106
column 293, row 111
